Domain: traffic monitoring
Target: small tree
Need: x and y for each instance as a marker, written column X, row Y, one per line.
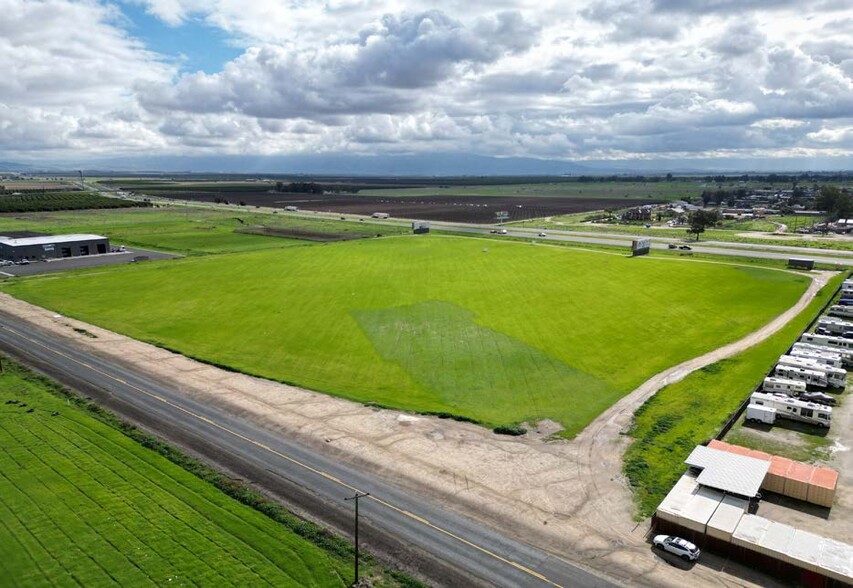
column 700, row 220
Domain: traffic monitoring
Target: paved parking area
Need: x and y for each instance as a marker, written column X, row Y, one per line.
column 58, row 265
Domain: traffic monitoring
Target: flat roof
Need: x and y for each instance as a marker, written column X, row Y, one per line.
column 47, row 240
column 728, row 472
column 728, row 514
column 796, row 546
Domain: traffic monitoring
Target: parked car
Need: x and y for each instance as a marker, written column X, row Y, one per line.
column 685, row 248
column 680, row 547
column 24, row 261
column 6, row 262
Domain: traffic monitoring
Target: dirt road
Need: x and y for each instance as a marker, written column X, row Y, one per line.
column 567, row 497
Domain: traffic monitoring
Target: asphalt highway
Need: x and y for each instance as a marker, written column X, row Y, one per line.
column 768, row 251
column 462, row 546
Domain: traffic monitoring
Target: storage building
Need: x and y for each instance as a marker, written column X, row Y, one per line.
column 52, row 246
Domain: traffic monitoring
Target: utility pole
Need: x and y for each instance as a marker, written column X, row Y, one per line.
column 355, row 498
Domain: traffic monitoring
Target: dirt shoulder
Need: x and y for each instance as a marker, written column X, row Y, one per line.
column 565, row 496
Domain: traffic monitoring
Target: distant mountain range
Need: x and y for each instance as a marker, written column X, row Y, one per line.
column 435, row 164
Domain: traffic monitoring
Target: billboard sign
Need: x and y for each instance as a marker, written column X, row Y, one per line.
column 641, row 246
column 502, row 215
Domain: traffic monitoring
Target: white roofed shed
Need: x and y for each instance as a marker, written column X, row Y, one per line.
column 728, row 472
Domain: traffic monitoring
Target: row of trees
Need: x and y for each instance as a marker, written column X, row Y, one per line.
column 837, row 203
column 311, row 188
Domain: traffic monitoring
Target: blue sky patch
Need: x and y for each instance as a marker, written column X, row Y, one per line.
column 194, row 45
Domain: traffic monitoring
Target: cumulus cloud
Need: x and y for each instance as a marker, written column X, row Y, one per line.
column 542, row 78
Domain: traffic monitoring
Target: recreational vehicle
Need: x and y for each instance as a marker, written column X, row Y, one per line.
column 827, row 341
column 835, row 377
column 841, row 311
column 810, row 377
column 822, row 357
column 783, row 385
column 846, row 354
column 834, row 326
column 794, row 409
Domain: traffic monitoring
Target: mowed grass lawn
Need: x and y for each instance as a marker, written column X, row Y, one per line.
column 82, row 504
column 494, row 331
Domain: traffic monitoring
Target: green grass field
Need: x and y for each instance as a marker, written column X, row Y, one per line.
column 83, row 504
column 183, row 229
column 680, row 416
column 495, row 331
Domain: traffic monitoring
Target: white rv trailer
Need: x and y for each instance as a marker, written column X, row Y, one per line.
column 846, row 354
column 783, row 385
column 822, row 357
column 834, row 377
column 833, row 325
column 810, row 377
column 827, row 341
column 796, row 410
column 841, row 311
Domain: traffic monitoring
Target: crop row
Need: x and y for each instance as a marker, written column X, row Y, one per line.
column 60, row 201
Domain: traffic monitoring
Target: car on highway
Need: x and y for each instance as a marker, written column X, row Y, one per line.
column 678, row 546
column 672, row 246
column 543, row 234
column 502, row 232
column 686, row 248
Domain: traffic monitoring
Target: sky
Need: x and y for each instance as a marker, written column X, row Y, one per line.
column 584, row 80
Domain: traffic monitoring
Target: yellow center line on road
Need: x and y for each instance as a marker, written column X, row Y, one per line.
column 292, row 460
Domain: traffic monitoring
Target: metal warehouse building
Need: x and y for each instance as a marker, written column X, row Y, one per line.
column 52, row 246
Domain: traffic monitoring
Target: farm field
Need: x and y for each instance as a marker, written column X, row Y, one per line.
column 35, row 202
column 682, row 415
column 438, row 207
column 183, row 230
column 498, row 332
column 83, row 504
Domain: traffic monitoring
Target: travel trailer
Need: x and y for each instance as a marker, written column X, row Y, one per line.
column 835, row 377
column 823, row 357
column 794, row 409
column 810, row 377
column 783, row 386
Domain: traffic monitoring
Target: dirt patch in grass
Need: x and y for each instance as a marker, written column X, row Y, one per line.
column 305, row 234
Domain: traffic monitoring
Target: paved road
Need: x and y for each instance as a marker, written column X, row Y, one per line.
column 782, row 252
column 485, row 556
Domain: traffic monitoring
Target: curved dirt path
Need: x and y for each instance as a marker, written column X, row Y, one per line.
column 567, row 497
column 602, row 443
